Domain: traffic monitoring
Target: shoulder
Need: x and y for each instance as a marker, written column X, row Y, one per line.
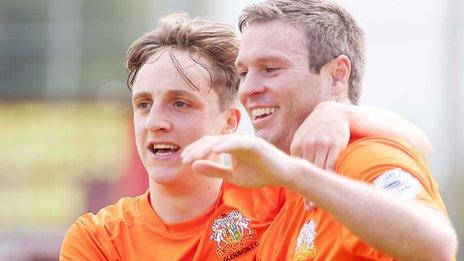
column 91, row 234
column 376, row 146
column 125, row 210
column 374, row 154
column 392, row 165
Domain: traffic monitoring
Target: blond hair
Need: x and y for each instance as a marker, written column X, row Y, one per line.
column 330, row 31
column 202, row 39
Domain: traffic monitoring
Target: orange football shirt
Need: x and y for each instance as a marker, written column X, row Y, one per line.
column 131, row 230
column 298, row 234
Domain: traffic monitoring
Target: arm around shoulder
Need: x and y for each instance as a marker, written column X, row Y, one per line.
column 375, row 121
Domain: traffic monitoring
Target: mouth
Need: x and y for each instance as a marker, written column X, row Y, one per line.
column 263, row 112
column 163, row 149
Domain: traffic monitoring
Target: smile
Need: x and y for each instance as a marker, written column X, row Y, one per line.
column 163, row 149
column 263, row 112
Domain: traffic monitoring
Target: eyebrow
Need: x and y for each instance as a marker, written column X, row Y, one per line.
column 180, row 93
column 140, row 95
column 264, row 59
column 169, row 93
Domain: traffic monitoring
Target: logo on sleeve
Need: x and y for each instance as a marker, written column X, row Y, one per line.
column 398, row 182
column 233, row 235
column 305, row 247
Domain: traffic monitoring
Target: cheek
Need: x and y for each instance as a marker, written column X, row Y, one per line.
column 139, row 127
column 240, row 95
column 137, row 124
column 217, row 121
column 208, row 124
column 192, row 131
column 189, row 123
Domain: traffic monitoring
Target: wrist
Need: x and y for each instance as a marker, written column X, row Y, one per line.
column 350, row 116
column 301, row 172
column 346, row 112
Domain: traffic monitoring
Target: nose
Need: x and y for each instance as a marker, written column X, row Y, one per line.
column 158, row 120
column 251, row 85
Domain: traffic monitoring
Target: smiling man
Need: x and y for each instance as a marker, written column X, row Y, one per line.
column 298, row 59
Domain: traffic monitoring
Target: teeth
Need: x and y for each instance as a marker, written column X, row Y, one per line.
column 165, row 146
column 263, row 111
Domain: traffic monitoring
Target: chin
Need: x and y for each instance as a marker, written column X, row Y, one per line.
column 164, row 180
column 264, row 134
column 276, row 139
column 165, row 177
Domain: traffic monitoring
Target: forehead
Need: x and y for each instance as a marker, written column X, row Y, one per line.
column 272, row 39
column 161, row 73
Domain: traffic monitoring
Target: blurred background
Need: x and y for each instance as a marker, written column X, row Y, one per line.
column 66, row 141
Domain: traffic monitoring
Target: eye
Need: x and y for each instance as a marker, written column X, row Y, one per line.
column 143, row 105
column 270, row 69
column 242, row 74
column 181, row 104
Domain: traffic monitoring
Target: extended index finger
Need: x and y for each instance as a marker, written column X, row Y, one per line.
column 199, row 149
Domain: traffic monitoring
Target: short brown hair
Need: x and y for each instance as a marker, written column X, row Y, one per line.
column 215, row 41
column 330, row 31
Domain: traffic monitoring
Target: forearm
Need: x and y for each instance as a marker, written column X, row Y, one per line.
column 402, row 228
column 368, row 121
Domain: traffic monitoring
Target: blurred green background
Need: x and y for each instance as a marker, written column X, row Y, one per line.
column 65, row 121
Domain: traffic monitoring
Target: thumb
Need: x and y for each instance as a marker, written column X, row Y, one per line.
column 211, row 169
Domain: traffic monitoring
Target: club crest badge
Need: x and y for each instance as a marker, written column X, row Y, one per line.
column 399, row 182
column 233, row 235
column 305, row 247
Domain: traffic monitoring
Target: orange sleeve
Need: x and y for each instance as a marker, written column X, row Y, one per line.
column 371, row 159
column 82, row 243
column 368, row 158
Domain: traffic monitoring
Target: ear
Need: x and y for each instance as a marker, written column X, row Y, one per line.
column 340, row 70
column 232, row 119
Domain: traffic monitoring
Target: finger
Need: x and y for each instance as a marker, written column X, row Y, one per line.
column 320, row 157
column 234, row 145
column 308, row 154
column 205, row 151
column 211, row 169
column 332, row 156
column 199, row 149
column 192, row 146
column 215, row 145
column 295, row 148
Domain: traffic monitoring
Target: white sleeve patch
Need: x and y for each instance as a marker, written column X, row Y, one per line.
column 399, row 182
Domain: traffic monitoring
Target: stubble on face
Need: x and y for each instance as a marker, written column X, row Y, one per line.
column 293, row 87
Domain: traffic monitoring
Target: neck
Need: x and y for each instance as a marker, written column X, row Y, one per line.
column 182, row 202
